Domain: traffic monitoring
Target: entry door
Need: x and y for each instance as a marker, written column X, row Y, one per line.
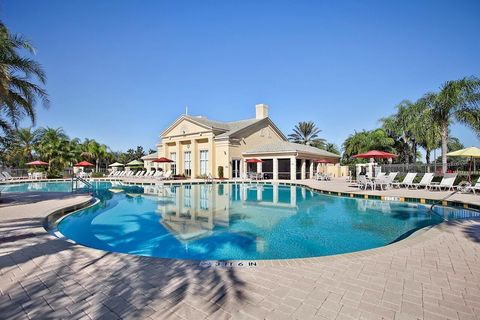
column 235, row 168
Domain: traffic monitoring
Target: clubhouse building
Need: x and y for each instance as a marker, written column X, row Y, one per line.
column 199, row 146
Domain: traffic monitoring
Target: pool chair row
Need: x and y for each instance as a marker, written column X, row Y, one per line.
column 383, row 181
column 6, row 176
column 159, row 175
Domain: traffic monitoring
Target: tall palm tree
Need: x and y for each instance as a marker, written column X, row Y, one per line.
column 429, row 134
column 307, row 133
column 53, row 146
column 457, row 100
column 95, row 151
column 364, row 141
column 18, row 76
column 406, row 125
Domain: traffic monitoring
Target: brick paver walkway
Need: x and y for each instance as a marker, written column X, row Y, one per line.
column 433, row 275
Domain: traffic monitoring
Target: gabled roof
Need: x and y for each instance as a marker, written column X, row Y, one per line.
column 224, row 129
column 285, row 146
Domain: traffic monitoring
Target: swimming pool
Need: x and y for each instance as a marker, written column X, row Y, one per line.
column 238, row 221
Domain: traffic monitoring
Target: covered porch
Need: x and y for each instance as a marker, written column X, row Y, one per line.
column 282, row 167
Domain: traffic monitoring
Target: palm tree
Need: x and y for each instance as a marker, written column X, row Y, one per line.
column 53, row 146
column 457, row 100
column 429, row 134
column 405, row 126
column 18, row 90
column 95, row 151
column 25, row 140
column 331, row 147
column 307, row 133
column 364, row 141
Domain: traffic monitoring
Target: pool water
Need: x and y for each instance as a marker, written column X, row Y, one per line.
column 238, row 221
column 65, row 186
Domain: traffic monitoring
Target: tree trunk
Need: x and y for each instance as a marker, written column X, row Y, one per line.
column 444, row 147
column 414, row 152
column 427, row 156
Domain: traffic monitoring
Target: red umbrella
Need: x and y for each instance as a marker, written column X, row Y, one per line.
column 254, row 160
column 375, row 154
column 323, row 161
column 37, row 163
column 84, row 164
column 162, row 160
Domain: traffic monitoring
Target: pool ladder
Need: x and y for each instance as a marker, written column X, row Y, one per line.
column 75, row 181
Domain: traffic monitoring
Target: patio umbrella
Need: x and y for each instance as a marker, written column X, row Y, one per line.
column 84, row 164
column 253, row 160
column 375, row 154
column 134, row 163
column 37, row 163
column 471, row 152
column 162, row 160
column 116, row 164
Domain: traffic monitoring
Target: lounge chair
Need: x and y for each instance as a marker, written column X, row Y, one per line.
column 386, row 181
column 476, row 187
column 407, row 181
column 166, row 176
column 446, row 183
column 426, row 180
column 9, row 177
column 363, row 182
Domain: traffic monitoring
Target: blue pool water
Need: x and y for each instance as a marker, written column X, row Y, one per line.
column 48, row 186
column 238, row 221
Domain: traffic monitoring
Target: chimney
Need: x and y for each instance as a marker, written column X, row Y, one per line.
column 261, row 111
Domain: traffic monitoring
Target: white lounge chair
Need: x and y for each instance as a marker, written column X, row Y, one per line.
column 446, row 183
column 363, row 182
column 9, row 177
column 385, row 182
column 407, row 180
column 166, row 176
column 426, row 180
column 475, row 187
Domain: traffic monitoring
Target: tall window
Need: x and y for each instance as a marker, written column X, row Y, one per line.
column 173, row 165
column 187, row 156
column 203, row 162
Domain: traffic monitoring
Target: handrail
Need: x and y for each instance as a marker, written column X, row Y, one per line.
column 75, row 181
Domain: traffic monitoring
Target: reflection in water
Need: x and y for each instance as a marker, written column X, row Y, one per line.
column 238, row 221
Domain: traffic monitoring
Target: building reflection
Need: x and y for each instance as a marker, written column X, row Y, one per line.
column 191, row 212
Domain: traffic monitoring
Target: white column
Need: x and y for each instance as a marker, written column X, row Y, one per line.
column 303, row 169
column 275, row 168
column 310, row 169
column 259, row 167
column 243, row 169
column 194, row 158
column 293, row 168
column 211, row 158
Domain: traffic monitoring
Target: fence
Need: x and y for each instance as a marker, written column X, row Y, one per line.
column 460, row 168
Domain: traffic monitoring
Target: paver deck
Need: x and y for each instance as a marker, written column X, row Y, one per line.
column 434, row 274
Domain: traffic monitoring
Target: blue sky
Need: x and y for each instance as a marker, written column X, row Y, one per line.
column 121, row 71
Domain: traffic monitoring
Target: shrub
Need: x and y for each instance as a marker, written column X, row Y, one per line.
column 97, row 174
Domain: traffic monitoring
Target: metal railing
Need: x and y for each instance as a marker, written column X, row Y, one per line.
column 76, row 188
